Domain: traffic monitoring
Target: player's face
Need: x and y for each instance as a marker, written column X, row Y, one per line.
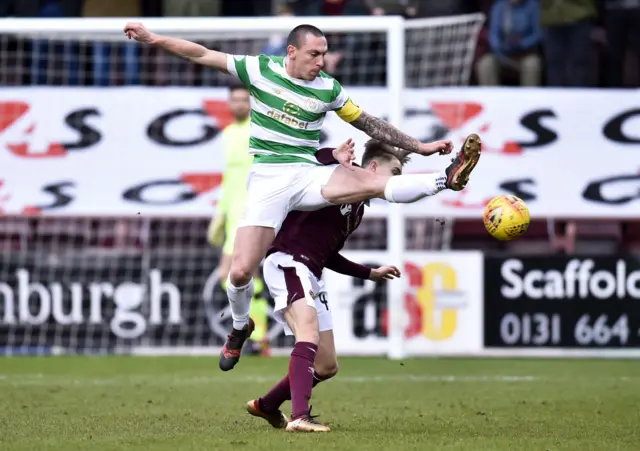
column 239, row 103
column 383, row 167
column 308, row 60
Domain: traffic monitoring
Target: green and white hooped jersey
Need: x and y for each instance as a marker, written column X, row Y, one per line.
column 287, row 113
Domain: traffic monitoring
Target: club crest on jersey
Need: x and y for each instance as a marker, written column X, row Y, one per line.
column 312, row 105
column 346, row 209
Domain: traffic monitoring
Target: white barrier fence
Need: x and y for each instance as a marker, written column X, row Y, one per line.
column 124, row 151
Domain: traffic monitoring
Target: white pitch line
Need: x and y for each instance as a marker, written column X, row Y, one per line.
column 37, row 379
column 42, row 380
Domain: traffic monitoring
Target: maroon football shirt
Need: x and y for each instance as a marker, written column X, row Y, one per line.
column 314, row 238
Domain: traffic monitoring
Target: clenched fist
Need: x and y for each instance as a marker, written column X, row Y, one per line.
column 443, row 147
column 137, row 31
column 385, row 273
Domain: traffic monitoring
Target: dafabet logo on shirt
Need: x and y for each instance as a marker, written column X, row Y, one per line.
column 288, row 120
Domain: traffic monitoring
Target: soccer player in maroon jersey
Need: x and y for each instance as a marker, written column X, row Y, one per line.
column 308, row 242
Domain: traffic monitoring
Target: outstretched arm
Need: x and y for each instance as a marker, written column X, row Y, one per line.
column 385, row 132
column 340, row 264
column 382, row 130
column 343, row 265
column 187, row 50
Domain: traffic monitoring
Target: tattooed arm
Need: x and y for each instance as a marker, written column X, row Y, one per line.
column 385, row 132
column 190, row 51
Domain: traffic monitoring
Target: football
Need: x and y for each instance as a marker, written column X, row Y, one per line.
column 506, row 217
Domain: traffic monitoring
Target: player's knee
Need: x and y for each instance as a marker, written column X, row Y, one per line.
column 369, row 184
column 326, row 370
column 240, row 274
column 354, row 186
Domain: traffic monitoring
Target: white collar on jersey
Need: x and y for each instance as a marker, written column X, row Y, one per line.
column 285, row 61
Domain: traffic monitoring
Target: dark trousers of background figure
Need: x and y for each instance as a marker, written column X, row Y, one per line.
column 31, row 8
column 623, row 32
column 191, row 8
column 243, row 8
column 19, row 8
column 528, row 66
column 567, row 53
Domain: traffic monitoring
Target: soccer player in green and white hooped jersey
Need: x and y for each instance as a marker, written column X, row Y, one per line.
column 289, row 98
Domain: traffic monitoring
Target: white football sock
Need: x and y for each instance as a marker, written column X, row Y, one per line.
column 408, row 188
column 240, row 301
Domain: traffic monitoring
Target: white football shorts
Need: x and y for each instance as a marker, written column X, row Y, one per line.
column 273, row 190
column 288, row 281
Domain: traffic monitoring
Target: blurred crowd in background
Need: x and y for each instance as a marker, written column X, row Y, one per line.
column 584, row 43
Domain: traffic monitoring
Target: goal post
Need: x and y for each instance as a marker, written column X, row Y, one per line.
column 89, row 57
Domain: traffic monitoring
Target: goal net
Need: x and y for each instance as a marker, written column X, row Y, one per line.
column 112, row 168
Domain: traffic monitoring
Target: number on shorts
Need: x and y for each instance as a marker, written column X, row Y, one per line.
column 323, row 299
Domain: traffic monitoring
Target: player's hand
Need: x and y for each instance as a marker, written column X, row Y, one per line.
column 345, row 153
column 442, row 147
column 384, row 273
column 137, row 31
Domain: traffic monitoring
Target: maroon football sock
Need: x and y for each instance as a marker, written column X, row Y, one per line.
column 301, row 377
column 281, row 392
column 278, row 394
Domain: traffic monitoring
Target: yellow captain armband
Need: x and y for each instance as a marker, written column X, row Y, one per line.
column 349, row 112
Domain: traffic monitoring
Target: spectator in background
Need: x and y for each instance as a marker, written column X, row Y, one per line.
column 114, row 64
column 56, row 62
column 19, row 8
column 567, row 27
column 514, row 37
column 194, row 8
column 40, row 8
column 244, row 8
column 328, row 7
column 111, row 8
column 622, row 24
column 406, row 8
column 441, row 8
column 277, row 43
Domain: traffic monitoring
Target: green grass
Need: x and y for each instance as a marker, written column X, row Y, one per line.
column 187, row 404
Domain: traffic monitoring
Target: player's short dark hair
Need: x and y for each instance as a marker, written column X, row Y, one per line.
column 235, row 86
column 376, row 150
column 296, row 36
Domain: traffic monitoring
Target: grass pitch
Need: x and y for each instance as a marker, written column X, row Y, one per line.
column 187, row 404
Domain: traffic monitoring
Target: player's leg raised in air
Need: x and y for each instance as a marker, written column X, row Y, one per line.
column 300, row 302
column 356, row 185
